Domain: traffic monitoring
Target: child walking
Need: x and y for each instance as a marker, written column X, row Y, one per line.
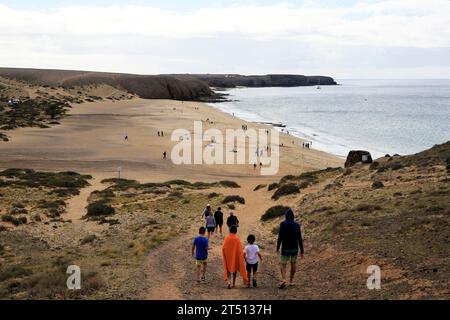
column 251, row 254
column 200, row 253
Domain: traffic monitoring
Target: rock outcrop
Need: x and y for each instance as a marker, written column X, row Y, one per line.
column 357, row 156
column 271, row 80
column 174, row 86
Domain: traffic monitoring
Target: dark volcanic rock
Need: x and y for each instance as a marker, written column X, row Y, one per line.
column 271, row 80
column 355, row 157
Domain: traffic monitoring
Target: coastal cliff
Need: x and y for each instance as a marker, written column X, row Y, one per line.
column 195, row 87
column 271, row 80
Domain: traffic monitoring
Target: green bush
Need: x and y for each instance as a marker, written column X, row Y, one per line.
column 231, row 206
column 229, row 184
column 99, row 209
column 260, row 186
column 286, row 189
column 273, row 186
column 274, row 212
column 11, row 219
column 234, row 199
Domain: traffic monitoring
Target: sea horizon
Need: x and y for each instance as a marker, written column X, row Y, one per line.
column 422, row 108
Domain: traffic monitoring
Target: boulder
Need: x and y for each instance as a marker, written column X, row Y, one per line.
column 355, row 157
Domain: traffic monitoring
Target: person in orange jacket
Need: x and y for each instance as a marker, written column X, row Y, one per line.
column 233, row 258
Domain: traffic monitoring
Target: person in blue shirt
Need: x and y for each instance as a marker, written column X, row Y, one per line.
column 200, row 254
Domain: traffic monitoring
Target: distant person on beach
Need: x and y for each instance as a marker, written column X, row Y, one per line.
column 164, row 155
column 159, row 134
column 126, row 138
column 290, row 240
column 232, row 221
column 200, row 253
column 233, row 259
column 207, row 212
column 218, row 215
column 210, row 225
column 254, row 166
column 162, row 133
column 251, row 254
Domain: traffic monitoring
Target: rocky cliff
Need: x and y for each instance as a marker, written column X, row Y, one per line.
column 271, row 80
column 175, row 86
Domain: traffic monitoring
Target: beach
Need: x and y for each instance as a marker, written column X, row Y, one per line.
column 92, row 140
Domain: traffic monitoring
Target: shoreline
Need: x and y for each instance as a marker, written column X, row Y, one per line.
column 91, row 140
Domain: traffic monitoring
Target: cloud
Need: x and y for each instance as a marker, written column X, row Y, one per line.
column 389, row 23
column 74, row 33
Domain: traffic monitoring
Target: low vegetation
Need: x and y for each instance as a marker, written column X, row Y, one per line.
column 274, row 212
column 260, row 186
column 286, row 189
column 229, row 199
column 396, row 213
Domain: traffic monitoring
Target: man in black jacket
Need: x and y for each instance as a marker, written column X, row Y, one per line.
column 289, row 239
column 232, row 220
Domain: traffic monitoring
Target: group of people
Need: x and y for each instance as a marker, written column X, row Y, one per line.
column 160, row 133
column 245, row 260
column 307, row 145
column 244, row 127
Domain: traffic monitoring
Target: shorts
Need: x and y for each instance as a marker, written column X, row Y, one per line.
column 211, row 229
column 285, row 259
column 201, row 262
column 219, row 224
column 251, row 267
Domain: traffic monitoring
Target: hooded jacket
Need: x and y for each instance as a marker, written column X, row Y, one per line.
column 290, row 235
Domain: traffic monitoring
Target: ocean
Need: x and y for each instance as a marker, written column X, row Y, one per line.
column 380, row 116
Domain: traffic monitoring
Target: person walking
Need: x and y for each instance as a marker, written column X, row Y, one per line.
column 233, row 259
column 210, row 225
column 232, row 221
column 207, row 212
column 218, row 215
column 289, row 240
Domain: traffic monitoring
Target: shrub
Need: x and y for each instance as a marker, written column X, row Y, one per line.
column 377, row 185
column 88, row 239
column 374, row 165
column 234, row 199
column 273, row 186
column 11, row 219
column 260, row 186
column 213, row 195
column 229, row 184
column 304, row 185
column 14, row 271
column 287, row 178
column 99, row 209
column 274, row 212
column 286, row 189
column 231, row 206
column 366, row 207
column 347, row 171
column 22, row 220
column 179, row 182
column 176, row 194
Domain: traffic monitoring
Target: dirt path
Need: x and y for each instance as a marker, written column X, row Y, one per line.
column 169, row 271
column 76, row 206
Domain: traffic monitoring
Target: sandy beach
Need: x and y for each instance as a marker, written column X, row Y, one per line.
column 92, row 140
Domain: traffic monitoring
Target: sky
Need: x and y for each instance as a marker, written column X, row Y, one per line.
column 368, row 39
